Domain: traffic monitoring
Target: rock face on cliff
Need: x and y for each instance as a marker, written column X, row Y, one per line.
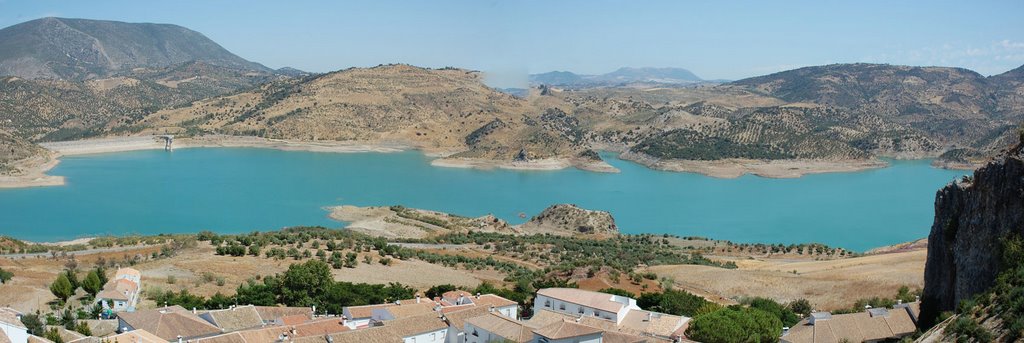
column 565, row 219
column 972, row 217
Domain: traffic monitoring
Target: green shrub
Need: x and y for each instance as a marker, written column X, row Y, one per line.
column 734, row 325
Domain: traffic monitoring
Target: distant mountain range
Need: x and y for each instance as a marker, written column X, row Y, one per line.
column 621, row 77
column 78, row 49
column 75, row 78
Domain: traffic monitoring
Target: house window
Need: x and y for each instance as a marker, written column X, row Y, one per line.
column 561, row 307
column 547, row 303
column 597, row 313
column 476, row 334
column 581, row 310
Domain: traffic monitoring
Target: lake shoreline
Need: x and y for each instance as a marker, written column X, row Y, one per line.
column 33, row 173
column 34, row 169
column 774, row 169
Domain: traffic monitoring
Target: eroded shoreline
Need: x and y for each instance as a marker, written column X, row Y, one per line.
column 734, row 168
column 33, row 170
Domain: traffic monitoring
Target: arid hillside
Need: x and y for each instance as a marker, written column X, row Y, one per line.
column 954, row 107
column 54, row 110
column 449, row 111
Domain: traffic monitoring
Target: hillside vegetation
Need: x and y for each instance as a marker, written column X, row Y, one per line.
column 79, row 49
column 76, row 78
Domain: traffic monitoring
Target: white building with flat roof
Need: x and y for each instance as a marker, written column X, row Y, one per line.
column 578, row 302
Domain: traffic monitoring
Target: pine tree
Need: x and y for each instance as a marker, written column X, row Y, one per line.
column 61, row 288
column 91, row 283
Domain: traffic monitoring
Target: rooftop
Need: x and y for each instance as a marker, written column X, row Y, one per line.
column 652, row 323
column 493, row 300
column 390, row 331
column 566, row 329
column 169, row 322
column 855, row 327
column 410, row 309
column 269, row 313
column 136, row 336
column 458, row 318
column 236, row 318
column 118, row 289
column 10, row 316
column 127, row 271
column 502, row 326
column 315, row 328
column 600, row 301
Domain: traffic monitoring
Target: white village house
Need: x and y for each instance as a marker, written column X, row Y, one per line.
column 121, row 294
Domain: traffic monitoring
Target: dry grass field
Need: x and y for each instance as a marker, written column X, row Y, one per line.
column 827, row 285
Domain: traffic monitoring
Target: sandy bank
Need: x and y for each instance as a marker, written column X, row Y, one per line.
column 957, row 165
column 32, row 173
column 733, row 168
column 119, row 144
column 540, row 164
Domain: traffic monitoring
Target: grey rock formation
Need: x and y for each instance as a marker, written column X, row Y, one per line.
column 972, row 217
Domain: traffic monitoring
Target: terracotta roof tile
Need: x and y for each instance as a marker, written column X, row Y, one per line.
column 270, row 313
column 10, row 316
column 317, row 328
column 855, row 327
column 600, row 301
column 390, row 331
column 237, row 318
column 493, row 300
column 566, row 329
column 513, row 330
column 127, row 271
column 168, row 323
column 364, row 311
column 458, row 318
column 135, row 336
column 619, row 337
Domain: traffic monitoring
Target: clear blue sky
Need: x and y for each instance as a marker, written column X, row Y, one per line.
column 714, row 39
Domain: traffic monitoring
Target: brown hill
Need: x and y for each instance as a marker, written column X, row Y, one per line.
column 951, row 106
column 440, row 110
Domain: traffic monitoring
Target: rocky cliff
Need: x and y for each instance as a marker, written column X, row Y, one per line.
column 973, row 216
column 565, row 219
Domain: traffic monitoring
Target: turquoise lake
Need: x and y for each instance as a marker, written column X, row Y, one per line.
column 233, row 190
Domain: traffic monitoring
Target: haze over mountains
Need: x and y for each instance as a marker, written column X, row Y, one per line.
column 78, row 78
column 620, row 77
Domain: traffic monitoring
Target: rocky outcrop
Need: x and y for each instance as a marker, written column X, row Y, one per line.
column 566, row 219
column 972, row 217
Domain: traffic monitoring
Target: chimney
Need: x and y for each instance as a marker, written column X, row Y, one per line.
column 899, row 301
column 460, row 300
column 179, row 338
column 314, row 311
column 478, row 295
column 650, row 316
column 417, row 298
column 193, row 310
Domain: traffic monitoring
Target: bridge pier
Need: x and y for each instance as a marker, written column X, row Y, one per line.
column 168, row 141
